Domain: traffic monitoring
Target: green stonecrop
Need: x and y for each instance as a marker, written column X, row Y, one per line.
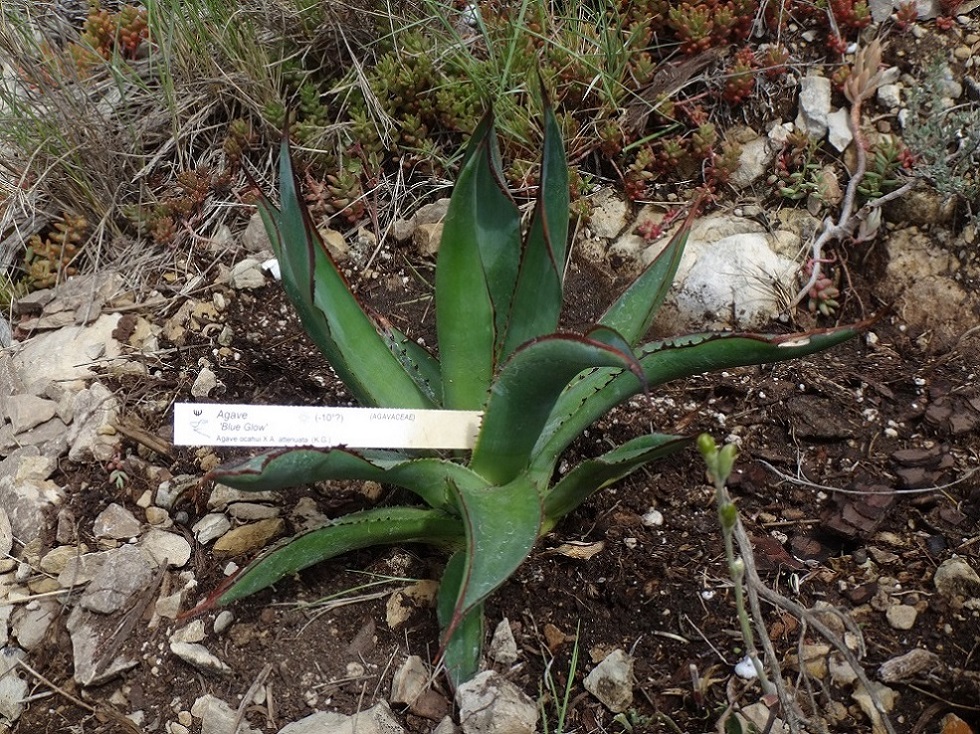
column 498, row 301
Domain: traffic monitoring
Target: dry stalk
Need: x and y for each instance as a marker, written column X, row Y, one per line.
column 862, row 83
column 757, row 588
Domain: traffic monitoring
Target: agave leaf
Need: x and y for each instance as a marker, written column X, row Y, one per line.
column 594, row 474
column 475, row 272
column 593, row 394
column 329, row 311
column 356, row 530
column 524, row 394
column 416, row 360
column 461, row 653
column 502, row 526
column 282, row 468
column 633, row 312
column 537, row 299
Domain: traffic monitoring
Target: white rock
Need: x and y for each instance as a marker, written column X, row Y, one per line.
column 192, row 632
column 409, row 681
column 162, row 546
column 31, row 622
column 66, row 354
column 125, row 572
column 199, row 657
column 653, row 518
column 745, row 669
column 732, row 273
column 92, row 433
column 839, row 132
column 611, row 681
column 23, row 497
column 886, row 695
column 211, row 526
column 205, row 383
column 115, row 521
column 13, row 688
column 901, row 616
column 753, row 162
column 217, row 717
column 223, row 621
column 246, row 275
column 890, row 95
column 491, row 704
column 955, row 577
column 608, row 214
column 376, row 720
column 27, row 411
column 87, row 644
column 6, row 534
column 255, row 239
column 503, row 646
column 814, row 103
column 446, row 726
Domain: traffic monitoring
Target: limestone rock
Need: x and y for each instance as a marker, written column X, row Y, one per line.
column 611, row 681
column 376, row 720
column 126, row 572
column 217, row 717
column 115, row 521
column 162, row 546
column 199, row 657
column 87, row 635
column 32, row 620
column 731, row 274
column 246, row 275
column 609, row 214
column 67, row 354
column 814, row 105
column 503, row 646
column 13, row 688
column 753, row 162
column 26, row 493
column 901, row 616
column 92, row 432
column 491, row 704
column 839, row 133
column 27, row 411
column 955, row 578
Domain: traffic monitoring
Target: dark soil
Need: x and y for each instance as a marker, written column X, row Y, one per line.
column 873, row 416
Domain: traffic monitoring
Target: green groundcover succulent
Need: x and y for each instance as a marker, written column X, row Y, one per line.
column 498, row 296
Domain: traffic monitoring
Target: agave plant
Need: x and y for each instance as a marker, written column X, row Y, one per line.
column 498, row 299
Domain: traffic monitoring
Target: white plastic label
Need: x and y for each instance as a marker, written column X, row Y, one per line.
column 210, row 424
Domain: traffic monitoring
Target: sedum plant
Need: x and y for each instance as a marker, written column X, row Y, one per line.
column 498, row 302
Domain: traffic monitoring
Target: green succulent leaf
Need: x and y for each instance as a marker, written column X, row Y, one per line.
column 502, row 526
column 461, row 651
column 524, row 394
column 593, row 394
column 328, row 310
column 594, row 474
column 475, row 274
column 537, row 299
column 282, row 468
column 353, row 531
column 416, row 360
column 633, row 312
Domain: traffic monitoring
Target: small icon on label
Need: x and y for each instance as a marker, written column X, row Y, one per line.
column 198, row 411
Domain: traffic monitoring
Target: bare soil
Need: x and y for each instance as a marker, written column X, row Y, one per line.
column 873, row 416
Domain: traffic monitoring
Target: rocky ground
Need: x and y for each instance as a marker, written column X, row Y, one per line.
column 858, row 482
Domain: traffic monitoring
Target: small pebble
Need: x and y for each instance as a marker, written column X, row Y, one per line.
column 901, row 616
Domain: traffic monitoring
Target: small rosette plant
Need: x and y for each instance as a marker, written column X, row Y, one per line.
column 498, row 302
